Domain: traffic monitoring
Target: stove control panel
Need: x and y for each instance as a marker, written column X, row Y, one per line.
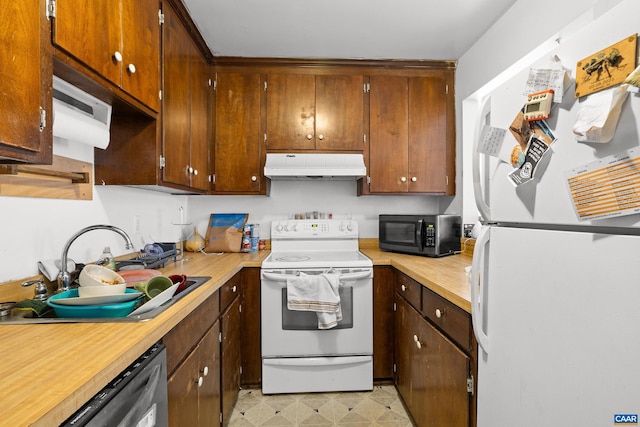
column 314, row 228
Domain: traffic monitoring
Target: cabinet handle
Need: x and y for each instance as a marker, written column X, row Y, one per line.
column 439, row 313
column 131, row 68
column 200, row 381
column 403, row 287
column 254, row 178
column 205, row 371
column 414, row 179
column 309, row 136
column 320, row 137
column 117, row 56
column 403, row 179
column 233, row 289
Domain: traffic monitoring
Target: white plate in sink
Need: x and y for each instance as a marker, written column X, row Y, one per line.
column 156, row 301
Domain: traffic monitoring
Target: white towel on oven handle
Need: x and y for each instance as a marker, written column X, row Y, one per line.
column 318, row 293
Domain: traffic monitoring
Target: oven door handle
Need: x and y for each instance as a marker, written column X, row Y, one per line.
column 344, row 277
column 317, row 361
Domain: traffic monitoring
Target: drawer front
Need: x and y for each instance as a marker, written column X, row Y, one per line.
column 409, row 289
column 451, row 319
column 229, row 291
column 185, row 335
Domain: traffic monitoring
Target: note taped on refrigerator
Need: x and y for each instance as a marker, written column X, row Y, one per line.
column 608, row 187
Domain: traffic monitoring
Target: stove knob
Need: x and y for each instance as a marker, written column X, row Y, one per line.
column 286, row 227
column 279, row 227
column 341, row 227
column 295, row 227
column 350, row 227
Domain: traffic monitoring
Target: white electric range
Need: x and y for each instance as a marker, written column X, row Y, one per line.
column 297, row 356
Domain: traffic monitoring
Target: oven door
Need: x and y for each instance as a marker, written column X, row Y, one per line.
column 287, row 333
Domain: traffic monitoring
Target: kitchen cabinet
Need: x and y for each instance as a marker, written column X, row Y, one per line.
column 185, row 107
column 382, row 322
column 238, row 153
column 251, row 374
column 193, row 367
column 315, row 112
column 434, row 376
column 412, row 134
column 230, row 373
column 25, row 81
column 120, row 41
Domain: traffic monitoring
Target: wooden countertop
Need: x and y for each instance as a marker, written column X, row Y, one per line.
column 48, row 371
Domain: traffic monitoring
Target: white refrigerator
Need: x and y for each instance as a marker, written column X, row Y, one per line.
column 556, row 298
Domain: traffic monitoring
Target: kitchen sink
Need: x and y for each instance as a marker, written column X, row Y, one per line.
column 23, row 318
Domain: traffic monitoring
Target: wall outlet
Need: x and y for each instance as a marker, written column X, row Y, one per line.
column 467, row 230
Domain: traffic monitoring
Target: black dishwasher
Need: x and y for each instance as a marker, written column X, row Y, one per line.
column 135, row 398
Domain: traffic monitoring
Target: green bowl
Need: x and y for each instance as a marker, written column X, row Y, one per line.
column 121, row 309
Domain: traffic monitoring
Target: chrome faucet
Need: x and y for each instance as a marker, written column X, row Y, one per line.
column 64, row 278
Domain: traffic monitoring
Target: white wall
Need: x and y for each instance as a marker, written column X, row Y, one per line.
column 521, row 30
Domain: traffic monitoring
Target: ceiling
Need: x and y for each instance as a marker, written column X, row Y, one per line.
column 344, row 29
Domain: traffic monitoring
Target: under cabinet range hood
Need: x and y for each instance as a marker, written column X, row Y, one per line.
column 301, row 166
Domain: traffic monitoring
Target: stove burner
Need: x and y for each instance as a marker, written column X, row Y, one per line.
column 292, row 258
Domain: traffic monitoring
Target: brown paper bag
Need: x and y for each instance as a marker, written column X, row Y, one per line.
column 224, row 233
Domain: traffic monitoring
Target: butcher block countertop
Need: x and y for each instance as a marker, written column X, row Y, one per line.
column 48, row 371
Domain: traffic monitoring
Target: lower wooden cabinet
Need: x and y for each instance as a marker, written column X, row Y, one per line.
column 250, row 350
column 382, row 323
column 230, row 363
column 432, row 373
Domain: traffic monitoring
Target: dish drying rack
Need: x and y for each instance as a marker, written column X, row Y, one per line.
column 150, row 261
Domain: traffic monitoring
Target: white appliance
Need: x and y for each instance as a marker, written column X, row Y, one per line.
column 297, row 356
column 555, row 300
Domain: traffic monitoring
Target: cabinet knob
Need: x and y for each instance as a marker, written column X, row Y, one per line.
column 403, row 179
column 414, row 179
column 254, row 178
column 190, row 169
column 309, row 136
column 403, row 287
column 131, row 68
column 117, row 56
column 438, row 313
column 233, row 289
column 200, row 381
column 415, row 338
column 320, row 137
column 418, row 344
column 195, row 172
column 205, row 371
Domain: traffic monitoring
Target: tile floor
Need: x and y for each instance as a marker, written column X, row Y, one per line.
column 380, row 407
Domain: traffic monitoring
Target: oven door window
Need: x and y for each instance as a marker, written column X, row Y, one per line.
column 294, row 320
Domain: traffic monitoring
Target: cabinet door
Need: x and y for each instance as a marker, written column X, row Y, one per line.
column 238, row 134
column 339, row 113
column 141, row 49
column 290, row 111
column 388, row 151
column 442, row 398
column 90, row 31
column 428, row 142
column 182, row 392
column 200, row 140
column 230, row 371
column 250, row 321
column 404, row 348
column 382, row 323
column 209, row 369
column 25, row 80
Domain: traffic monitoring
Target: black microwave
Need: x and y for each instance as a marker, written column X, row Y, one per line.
column 427, row 235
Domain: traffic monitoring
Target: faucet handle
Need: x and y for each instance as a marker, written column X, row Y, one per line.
column 41, row 292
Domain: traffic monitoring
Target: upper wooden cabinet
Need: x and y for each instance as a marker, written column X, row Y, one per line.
column 412, row 137
column 25, row 83
column 185, row 107
column 119, row 40
column 239, row 155
column 315, row 112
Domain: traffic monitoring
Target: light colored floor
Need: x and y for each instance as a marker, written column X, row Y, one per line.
column 380, row 407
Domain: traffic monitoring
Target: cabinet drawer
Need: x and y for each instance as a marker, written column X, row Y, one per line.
column 409, row 289
column 451, row 319
column 229, row 291
column 186, row 334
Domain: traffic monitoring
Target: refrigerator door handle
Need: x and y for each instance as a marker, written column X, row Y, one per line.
column 482, row 205
column 477, row 282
